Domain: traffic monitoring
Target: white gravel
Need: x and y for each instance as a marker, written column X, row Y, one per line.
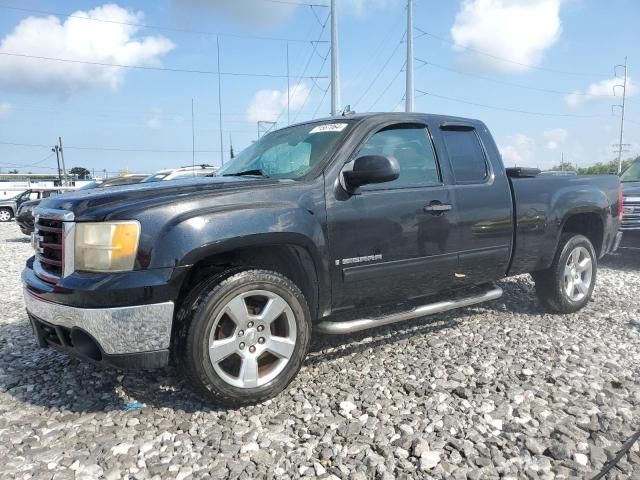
column 502, row 390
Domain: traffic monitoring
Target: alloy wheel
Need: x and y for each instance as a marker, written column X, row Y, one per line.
column 578, row 273
column 252, row 338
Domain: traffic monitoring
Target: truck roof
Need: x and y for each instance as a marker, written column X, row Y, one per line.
column 398, row 116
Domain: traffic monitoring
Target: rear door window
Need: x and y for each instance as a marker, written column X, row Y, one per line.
column 466, row 155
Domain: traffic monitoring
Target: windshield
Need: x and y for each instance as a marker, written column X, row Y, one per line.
column 631, row 174
column 289, row 153
column 155, row 178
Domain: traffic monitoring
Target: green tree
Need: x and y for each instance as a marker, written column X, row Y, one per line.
column 81, row 172
column 608, row 168
column 564, row 167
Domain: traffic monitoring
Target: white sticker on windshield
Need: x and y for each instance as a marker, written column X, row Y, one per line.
column 329, row 127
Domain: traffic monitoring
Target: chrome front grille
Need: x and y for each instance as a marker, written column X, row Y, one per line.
column 50, row 236
column 631, row 213
column 53, row 244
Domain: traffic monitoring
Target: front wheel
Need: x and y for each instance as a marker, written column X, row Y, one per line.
column 5, row 214
column 566, row 286
column 244, row 337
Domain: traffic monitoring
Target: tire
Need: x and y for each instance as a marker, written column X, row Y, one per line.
column 5, row 214
column 252, row 361
column 566, row 286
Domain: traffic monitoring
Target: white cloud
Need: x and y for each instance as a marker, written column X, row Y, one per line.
column 77, row 39
column 518, row 150
column 518, row 30
column 5, row 109
column 600, row 90
column 156, row 120
column 555, row 137
column 268, row 105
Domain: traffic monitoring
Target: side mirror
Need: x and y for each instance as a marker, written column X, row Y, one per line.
column 371, row 169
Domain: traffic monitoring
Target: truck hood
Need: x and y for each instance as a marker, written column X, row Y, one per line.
column 631, row 189
column 98, row 204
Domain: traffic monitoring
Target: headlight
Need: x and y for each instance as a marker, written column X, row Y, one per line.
column 106, row 246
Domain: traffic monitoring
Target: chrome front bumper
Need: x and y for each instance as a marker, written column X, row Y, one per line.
column 118, row 331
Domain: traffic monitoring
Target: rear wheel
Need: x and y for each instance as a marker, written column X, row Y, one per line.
column 5, row 214
column 244, row 337
column 566, row 286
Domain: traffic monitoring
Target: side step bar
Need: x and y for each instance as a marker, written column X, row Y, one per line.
column 351, row 326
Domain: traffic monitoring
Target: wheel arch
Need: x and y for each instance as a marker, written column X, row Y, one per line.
column 288, row 255
column 588, row 223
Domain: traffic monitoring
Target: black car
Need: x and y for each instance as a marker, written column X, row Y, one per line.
column 631, row 187
column 330, row 226
column 24, row 218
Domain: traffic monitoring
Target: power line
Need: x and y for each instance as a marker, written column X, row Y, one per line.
column 321, row 101
column 306, row 100
column 304, row 71
column 384, row 66
column 505, row 109
column 424, row 33
column 31, row 164
column 395, row 77
column 385, row 41
column 162, row 27
column 107, row 149
column 502, row 82
column 143, row 67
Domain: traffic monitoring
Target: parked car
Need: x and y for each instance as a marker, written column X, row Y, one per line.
column 311, row 229
column 9, row 208
column 182, row 172
column 25, row 219
column 115, row 181
column 558, row 172
column 631, row 186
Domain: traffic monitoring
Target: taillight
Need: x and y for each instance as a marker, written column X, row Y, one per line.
column 620, row 202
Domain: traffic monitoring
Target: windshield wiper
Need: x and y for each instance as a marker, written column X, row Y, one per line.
column 256, row 172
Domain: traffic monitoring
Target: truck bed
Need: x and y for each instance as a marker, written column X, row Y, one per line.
column 540, row 206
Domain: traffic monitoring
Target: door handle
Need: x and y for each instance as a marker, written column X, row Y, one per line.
column 437, row 207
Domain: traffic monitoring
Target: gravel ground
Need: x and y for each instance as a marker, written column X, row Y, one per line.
column 500, row 390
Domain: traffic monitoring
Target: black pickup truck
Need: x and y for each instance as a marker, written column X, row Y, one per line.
column 330, row 226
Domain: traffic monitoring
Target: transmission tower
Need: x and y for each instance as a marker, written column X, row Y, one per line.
column 621, row 106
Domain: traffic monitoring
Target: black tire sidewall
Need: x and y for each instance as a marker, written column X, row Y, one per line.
column 211, row 306
column 571, row 243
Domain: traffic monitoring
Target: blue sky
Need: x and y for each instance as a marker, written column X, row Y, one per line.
column 477, row 51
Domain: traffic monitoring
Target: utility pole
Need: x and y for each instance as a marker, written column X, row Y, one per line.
column 220, row 101
column 335, row 66
column 56, row 149
column 409, row 105
column 288, row 87
column 621, row 106
column 64, row 169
